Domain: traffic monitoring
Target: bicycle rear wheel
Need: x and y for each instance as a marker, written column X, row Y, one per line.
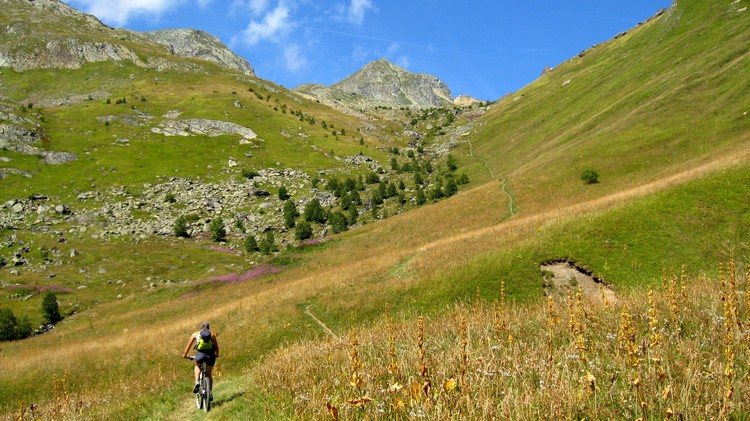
column 206, row 391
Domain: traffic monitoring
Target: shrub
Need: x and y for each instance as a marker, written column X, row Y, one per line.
column 169, row 198
column 249, row 174
column 590, row 177
column 218, row 232
column 283, row 194
column 50, row 308
column 303, row 231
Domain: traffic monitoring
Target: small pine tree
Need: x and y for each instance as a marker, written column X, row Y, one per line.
column 377, row 198
column 283, row 194
column 181, row 228
column 290, row 213
column 353, row 215
column 451, row 163
column 391, row 191
column 251, row 245
column 450, row 188
column 50, row 309
column 314, row 212
column 420, row 197
column 268, row 244
column 218, row 232
column 338, row 222
column 303, row 231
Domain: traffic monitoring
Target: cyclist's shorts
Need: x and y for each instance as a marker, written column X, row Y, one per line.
column 201, row 357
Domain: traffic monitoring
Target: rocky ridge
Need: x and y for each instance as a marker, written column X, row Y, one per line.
column 59, row 36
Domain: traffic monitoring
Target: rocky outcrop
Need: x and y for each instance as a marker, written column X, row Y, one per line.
column 382, row 83
column 201, row 45
column 23, row 134
column 201, row 126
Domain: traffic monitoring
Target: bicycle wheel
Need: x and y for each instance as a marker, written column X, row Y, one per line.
column 206, row 389
column 199, row 400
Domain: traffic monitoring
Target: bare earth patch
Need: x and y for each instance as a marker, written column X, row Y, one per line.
column 566, row 277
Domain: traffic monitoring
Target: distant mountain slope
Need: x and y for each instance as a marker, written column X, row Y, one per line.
column 383, row 83
column 56, row 35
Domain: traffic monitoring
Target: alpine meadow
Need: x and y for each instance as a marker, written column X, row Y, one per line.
column 374, row 249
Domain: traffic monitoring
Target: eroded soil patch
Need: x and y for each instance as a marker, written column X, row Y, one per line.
column 561, row 277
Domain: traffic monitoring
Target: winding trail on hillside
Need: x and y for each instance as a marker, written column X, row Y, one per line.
column 320, row 323
column 484, row 161
column 511, row 200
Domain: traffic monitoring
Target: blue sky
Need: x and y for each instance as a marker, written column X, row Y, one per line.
column 483, row 48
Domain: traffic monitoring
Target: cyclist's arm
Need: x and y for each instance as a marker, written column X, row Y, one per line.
column 216, row 344
column 189, row 345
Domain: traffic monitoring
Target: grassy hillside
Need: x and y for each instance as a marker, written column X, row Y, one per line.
column 659, row 113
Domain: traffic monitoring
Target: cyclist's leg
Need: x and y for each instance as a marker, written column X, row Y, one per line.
column 197, row 371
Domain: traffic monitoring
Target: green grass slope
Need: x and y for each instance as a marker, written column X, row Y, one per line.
column 668, row 95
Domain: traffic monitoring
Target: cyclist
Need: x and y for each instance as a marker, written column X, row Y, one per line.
column 207, row 351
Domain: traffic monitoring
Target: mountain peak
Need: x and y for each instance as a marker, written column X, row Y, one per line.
column 381, row 82
column 201, row 45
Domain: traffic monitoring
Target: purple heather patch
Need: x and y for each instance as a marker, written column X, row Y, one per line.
column 236, row 278
column 223, row 250
column 310, row 243
column 41, row 288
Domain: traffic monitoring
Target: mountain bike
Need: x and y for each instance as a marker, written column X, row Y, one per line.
column 203, row 395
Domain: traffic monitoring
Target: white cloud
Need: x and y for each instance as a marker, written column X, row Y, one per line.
column 354, row 12
column 357, row 9
column 403, row 61
column 204, row 3
column 294, row 59
column 255, row 7
column 118, row 12
column 273, row 24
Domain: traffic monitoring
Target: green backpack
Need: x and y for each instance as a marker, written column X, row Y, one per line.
column 204, row 342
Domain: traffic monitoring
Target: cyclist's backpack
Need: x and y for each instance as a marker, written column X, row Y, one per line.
column 204, row 342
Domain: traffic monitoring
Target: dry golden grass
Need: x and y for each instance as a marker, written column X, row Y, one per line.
column 636, row 359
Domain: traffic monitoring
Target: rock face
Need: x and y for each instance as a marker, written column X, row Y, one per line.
column 42, row 34
column 383, row 83
column 201, row 45
column 25, row 135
